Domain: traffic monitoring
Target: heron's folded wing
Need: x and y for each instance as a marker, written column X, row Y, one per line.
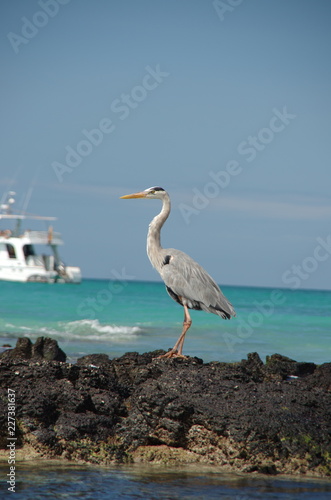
column 186, row 278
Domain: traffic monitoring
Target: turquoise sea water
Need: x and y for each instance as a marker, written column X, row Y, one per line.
column 115, row 317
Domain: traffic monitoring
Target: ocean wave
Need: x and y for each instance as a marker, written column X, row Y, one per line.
column 11, row 327
column 86, row 326
column 84, row 329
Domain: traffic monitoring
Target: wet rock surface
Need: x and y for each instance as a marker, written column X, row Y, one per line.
column 247, row 416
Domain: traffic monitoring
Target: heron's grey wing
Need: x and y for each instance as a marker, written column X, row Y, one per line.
column 187, row 279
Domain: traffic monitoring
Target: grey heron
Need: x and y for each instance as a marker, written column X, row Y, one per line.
column 185, row 280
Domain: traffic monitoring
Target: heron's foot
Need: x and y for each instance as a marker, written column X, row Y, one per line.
column 173, row 353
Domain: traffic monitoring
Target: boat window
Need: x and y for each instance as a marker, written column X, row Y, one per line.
column 11, row 251
column 28, row 250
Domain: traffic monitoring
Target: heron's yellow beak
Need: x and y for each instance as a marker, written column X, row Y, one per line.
column 142, row 194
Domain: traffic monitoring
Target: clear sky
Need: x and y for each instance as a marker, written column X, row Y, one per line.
column 226, row 104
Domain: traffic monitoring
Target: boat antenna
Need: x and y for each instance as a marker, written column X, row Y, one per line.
column 27, row 199
column 30, row 190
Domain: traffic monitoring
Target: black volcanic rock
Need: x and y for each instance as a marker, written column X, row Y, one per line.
column 246, row 416
column 44, row 348
column 285, row 367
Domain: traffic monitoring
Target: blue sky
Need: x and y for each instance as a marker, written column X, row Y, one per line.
column 227, row 107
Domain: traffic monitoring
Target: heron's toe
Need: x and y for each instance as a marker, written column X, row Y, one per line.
column 171, row 354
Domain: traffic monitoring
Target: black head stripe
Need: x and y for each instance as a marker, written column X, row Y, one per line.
column 157, row 189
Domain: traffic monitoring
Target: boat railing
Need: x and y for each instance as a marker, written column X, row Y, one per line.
column 43, row 237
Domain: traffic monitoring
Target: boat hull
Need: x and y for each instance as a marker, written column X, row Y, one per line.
column 40, row 275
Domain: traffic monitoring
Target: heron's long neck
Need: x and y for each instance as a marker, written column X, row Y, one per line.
column 154, row 232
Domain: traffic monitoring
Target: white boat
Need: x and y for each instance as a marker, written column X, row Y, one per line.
column 20, row 258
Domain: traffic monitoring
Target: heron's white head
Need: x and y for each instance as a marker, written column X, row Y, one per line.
column 151, row 193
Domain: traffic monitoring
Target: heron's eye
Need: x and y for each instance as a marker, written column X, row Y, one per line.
column 152, row 192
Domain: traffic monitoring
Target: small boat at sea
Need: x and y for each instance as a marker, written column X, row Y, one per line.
column 31, row 255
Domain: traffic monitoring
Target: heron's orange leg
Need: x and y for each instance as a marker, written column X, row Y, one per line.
column 176, row 351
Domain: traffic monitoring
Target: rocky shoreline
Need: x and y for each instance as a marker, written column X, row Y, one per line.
column 245, row 417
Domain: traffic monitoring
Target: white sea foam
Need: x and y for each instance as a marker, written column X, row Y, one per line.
column 11, row 326
column 91, row 328
column 85, row 329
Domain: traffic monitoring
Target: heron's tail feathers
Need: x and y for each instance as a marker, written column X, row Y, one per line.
column 226, row 312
